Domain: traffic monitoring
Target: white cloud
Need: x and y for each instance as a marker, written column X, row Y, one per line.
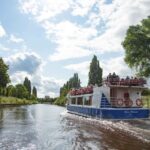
column 4, row 48
column 116, row 18
column 15, row 39
column 82, row 68
column 103, row 30
column 116, row 65
column 24, row 62
column 2, row 31
column 44, row 9
column 46, row 85
column 82, row 7
column 18, row 77
column 71, row 40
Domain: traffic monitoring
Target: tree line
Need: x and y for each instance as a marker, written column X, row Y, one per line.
column 21, row 90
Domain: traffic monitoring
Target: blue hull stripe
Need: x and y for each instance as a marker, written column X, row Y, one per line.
column 111, row 113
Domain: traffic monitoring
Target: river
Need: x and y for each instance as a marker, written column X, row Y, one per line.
column 49, row 127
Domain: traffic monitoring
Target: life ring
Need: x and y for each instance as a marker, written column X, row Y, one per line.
column 139, row 102
column 128, row 103
column 120, row 102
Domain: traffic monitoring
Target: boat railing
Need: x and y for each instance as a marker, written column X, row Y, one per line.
column 124, row 81
column 121, row 102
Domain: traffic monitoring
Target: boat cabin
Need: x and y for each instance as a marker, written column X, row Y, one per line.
column 115, row 92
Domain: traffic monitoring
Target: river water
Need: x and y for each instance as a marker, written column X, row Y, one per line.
column 48, row 127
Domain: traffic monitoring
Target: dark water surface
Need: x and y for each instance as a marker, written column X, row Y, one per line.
column 47, row 127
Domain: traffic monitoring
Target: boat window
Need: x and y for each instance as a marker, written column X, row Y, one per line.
column 88, row 100
column 79, row 101
column 73, row 101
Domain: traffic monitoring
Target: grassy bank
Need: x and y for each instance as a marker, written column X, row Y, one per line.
column 15, row 101
column 61, row 101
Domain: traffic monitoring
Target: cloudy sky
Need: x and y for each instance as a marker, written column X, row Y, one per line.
column 49, row 40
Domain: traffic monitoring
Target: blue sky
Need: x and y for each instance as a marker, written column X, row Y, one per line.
column 49, row 40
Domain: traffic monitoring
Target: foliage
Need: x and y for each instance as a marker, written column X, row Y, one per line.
column 95, row 73
column 137, row 47
column 146, row 101
column 27, row 84
column 146, row 92
column 46, row 100
column 21, row 91
column 73, row 82
column 34, row 92
column 11, row 91
column 15, row 101
column 4, row 77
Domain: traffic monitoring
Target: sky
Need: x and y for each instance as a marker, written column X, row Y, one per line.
column 49, row 40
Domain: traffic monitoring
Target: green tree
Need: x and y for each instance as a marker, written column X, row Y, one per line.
column 95, row 73
column 27, row 84
column 34, row 92
column 74, row 82
column 21, row 91
column 137, row 47
column 4, row 77
column 11, row 91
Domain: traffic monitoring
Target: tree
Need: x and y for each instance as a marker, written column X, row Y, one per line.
column 4, row 77
column 34, row 92
column 10, row 91
column 74, row 82
column 21, row 91
column 27, row 84
column 137, row 47
column 95, row 73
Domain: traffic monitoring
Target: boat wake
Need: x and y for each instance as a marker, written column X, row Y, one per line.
column 139, row 129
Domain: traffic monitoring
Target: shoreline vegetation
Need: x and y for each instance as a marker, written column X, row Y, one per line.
column 15, row 101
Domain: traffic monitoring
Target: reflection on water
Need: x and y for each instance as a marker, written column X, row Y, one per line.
column 47, row 127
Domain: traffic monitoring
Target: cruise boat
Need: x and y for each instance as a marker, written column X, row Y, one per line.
column 118, row 98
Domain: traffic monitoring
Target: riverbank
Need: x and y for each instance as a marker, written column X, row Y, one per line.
column 16, row 101
column 61, row 101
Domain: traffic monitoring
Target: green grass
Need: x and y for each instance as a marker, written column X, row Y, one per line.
column 17, row 101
